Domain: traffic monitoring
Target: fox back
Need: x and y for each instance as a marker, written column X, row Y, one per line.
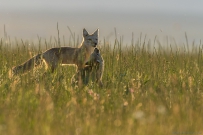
column 62, row 55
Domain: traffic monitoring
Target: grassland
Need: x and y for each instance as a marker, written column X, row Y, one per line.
column 147, row 90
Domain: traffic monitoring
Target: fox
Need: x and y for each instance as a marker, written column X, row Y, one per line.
column 53, row 57
column 93, row 71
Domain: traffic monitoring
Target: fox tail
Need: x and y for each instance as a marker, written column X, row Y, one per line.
column 26, row 66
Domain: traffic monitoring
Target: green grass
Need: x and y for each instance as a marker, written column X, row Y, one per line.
column 146, row 91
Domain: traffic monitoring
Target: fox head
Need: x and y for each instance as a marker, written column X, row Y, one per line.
column 90, row 39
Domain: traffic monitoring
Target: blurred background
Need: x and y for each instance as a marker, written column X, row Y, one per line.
column 166, row 19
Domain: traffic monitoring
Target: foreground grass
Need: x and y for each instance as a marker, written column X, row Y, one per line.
column 145, row 92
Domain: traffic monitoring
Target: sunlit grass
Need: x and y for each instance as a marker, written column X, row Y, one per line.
column 146, row 91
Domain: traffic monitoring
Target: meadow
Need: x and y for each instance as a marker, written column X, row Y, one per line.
column 147, row 90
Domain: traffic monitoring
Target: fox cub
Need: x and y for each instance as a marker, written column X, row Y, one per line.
column 61, row 55
column 92, row 72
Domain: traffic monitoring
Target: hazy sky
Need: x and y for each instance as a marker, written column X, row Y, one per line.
column 27, row 18
column 191, row 6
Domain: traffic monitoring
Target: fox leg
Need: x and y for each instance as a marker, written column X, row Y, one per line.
column 100, row 83
column 53, row 66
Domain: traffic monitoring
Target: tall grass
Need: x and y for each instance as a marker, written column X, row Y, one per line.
column 146, row 90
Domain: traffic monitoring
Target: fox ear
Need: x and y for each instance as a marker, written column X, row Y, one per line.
column 96, row 32
column 85, row 33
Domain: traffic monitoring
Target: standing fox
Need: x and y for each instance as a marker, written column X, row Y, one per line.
column 61, row 55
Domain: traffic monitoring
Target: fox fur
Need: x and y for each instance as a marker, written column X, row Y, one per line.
column 92, row 72
column 61, row 56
